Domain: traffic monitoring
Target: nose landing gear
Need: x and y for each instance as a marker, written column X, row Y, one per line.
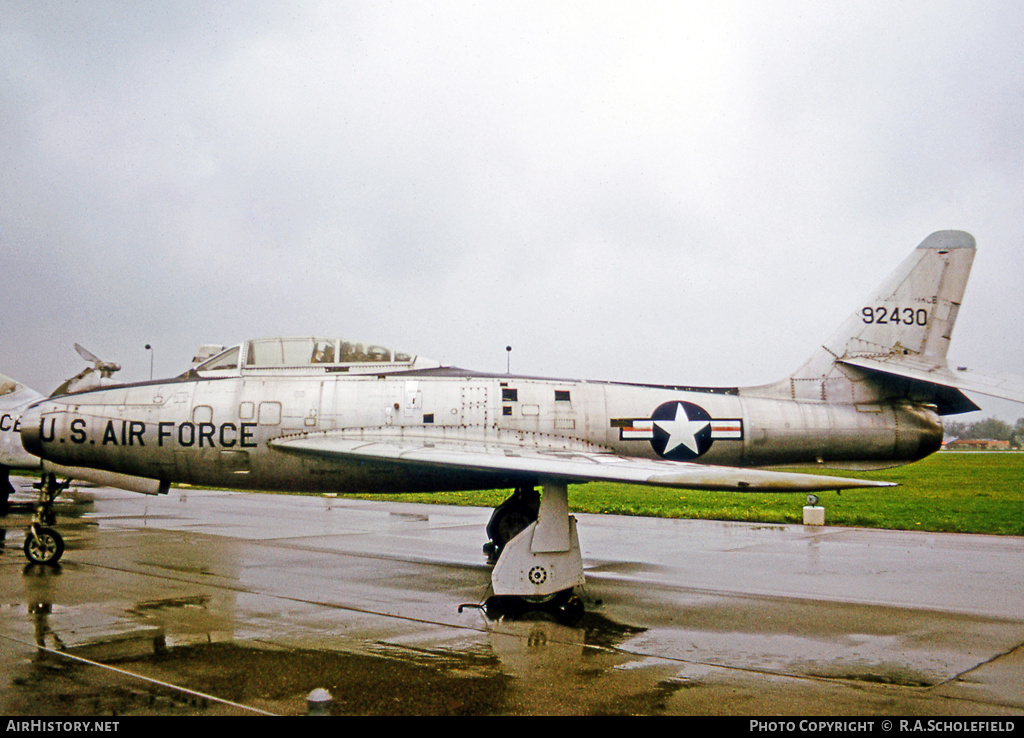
column 43, row 544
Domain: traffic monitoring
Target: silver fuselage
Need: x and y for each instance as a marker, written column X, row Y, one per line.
column 217, row 430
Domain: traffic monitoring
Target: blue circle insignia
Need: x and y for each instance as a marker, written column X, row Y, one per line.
column 682, row 431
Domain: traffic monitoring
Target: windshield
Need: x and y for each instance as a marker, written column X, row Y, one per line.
column 272, row 352
column 226, row 360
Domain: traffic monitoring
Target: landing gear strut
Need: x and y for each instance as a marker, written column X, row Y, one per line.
column 44, row 545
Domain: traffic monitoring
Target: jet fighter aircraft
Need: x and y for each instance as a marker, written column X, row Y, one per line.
column 332, row 414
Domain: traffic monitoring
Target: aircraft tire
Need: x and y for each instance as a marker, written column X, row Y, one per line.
column 510, row 523
column 45, row 546
column 564, row 607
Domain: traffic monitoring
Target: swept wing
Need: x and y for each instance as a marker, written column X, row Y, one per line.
column 565, row 459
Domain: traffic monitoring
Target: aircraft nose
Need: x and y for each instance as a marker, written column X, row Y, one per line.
column 30, row 430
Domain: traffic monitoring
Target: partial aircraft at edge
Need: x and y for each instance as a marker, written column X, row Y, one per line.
column 328, row 415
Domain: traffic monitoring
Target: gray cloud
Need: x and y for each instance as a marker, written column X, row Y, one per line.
column 648, row 192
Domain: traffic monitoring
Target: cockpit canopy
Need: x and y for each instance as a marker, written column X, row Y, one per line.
column 310, row 355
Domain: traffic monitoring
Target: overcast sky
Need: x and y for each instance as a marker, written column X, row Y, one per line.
column 676, row 192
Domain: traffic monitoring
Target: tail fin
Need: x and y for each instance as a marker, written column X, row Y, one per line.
column 913, row 312
column 893, row 347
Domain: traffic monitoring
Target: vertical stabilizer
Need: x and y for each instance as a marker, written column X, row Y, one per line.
column 914, row 311
column 906, row 323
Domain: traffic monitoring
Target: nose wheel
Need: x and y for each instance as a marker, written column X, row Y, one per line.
column 44, row 545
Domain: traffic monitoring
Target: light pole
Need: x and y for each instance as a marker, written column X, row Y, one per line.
column 150, row 350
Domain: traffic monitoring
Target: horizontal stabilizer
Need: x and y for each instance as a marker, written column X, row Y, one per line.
column 574, row 464
column 992, row 384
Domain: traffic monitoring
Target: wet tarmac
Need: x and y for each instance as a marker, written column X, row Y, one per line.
column 215, row 602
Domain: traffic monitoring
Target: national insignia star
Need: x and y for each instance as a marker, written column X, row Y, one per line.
column 681, row 431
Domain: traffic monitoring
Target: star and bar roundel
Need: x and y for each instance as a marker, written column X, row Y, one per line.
column 679, row 431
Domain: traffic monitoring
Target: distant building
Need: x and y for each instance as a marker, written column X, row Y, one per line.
column 979, row 444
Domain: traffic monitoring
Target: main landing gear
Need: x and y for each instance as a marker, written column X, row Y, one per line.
column 43, row 544
column 538, row 555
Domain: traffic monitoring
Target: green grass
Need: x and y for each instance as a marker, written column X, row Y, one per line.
column 948, row 492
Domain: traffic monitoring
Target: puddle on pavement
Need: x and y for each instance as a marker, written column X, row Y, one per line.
column 268, row 679
column 516, row 668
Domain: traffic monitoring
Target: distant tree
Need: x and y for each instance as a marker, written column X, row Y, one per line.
column 955, row 430
column 1017, row 436
column 990, row 428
